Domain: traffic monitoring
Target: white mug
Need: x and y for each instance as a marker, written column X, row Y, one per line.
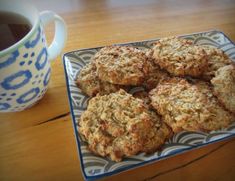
column 25, row 66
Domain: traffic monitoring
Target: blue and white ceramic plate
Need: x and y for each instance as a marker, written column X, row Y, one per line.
column 94, row 167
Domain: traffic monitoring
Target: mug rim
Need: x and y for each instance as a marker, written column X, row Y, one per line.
column 26, row 37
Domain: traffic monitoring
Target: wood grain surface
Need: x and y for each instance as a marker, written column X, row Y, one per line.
column 39, row 143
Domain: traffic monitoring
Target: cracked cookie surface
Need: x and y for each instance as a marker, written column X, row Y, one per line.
column 121, row 65
column 190, row 107
column 180, row 57
column 118, row 125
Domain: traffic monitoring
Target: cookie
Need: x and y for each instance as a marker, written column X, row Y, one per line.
column 91, row 85
column 216, row 59
column 118, row 125
column 191, row 107
column 224, row 86
column 180, row 57
column 121, row 65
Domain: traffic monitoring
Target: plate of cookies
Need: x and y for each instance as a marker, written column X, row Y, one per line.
column 136, row 103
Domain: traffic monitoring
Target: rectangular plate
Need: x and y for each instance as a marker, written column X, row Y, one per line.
column 94, row 167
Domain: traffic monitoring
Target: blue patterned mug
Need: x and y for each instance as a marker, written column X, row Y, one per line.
column 25, row 66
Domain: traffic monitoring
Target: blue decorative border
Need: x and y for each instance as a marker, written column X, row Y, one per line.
column 143, row 163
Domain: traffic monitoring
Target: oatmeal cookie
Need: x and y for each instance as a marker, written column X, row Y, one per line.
column 180, row 57
column 224, row 86
column 121, row 65
column 118, row 125
column 216, row 59
column 91, row 85
column 191, row 107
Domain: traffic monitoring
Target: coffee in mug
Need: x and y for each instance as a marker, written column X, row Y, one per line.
column 13, row 27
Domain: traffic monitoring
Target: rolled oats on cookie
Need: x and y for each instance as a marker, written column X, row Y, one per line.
column 118, row 125
column 123, row 65
column 190, row 107
column 180, row 57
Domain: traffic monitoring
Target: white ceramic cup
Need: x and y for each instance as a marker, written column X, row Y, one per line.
column 25, row 66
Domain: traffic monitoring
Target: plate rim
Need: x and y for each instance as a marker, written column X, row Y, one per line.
column 142, row 163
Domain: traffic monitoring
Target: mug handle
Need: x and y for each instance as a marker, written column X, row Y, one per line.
column 60, row 36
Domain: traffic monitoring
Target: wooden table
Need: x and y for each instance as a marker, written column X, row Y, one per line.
column 39, row 143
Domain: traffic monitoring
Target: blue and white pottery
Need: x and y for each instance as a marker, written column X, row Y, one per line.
column 25, row 66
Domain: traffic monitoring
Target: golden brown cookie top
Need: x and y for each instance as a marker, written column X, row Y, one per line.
column 224, row 86
column 118, row 125
column 122, row 65
column 180, row 57
column 191, row 107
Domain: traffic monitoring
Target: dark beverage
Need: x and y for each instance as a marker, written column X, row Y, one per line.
column 13, row 27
